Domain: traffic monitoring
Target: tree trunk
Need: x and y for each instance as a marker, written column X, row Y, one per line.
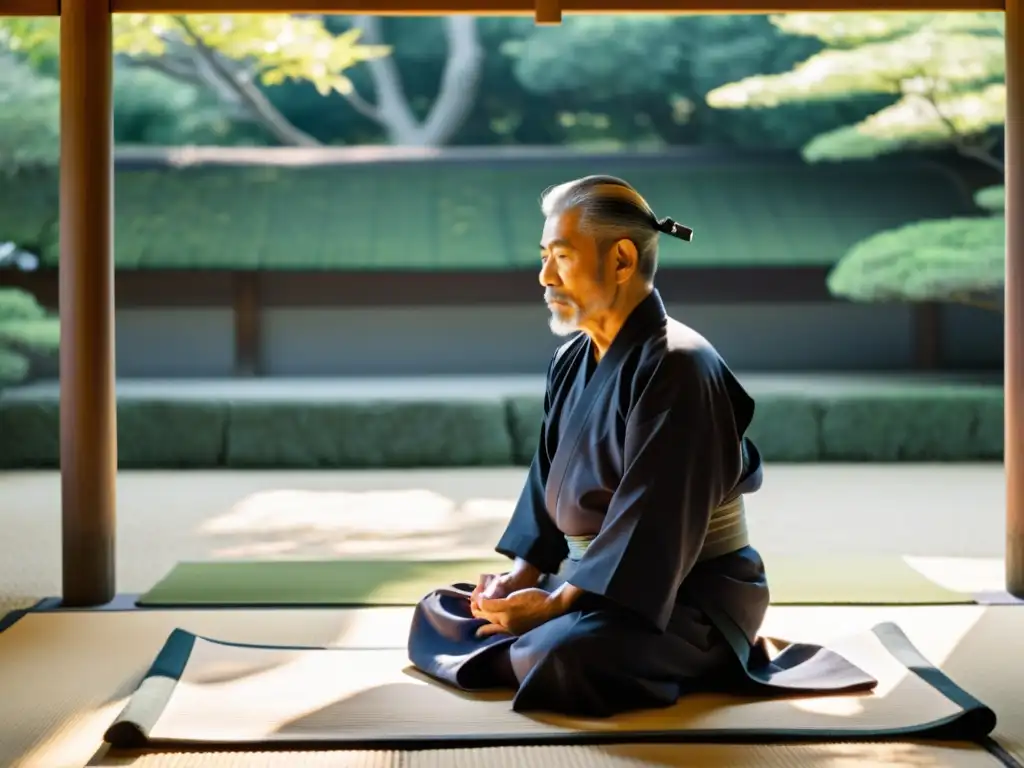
column 456, row 94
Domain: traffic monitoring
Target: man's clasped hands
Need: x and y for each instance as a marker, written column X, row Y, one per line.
column 510, row 604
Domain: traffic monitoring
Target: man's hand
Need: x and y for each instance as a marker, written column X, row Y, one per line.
column 495, row 586
column 516, row 614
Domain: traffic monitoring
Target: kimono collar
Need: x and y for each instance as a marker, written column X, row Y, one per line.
column 645, row 317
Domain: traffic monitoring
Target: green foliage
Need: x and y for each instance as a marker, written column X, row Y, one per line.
column 945, row 73
column 29, row 117
column 851, row 30
column 152, row 108
column 645, row 77
column 484, row 215
column 961, row 259
column 279, row 47
column 25, row 330
column 991, row 198
column 914, row 123
column 607, row 56
column 609, row 80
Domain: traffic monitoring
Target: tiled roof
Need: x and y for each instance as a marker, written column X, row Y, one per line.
column 483, row 213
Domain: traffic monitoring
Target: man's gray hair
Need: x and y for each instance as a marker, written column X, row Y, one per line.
column 610, row 210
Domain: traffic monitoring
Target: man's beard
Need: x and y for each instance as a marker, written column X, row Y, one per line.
column 564, row 326
column 565, row 318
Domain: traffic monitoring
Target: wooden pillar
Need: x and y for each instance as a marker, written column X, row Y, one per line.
column 88, row 414
column 1014, row 362
column 248, row 323
column 927, row 335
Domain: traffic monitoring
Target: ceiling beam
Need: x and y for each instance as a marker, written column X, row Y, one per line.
column 29, row 7
column 531, row 7
column 545, row 10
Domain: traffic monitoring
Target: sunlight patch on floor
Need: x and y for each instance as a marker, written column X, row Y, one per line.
column 285, row 523
column 64, row 745
column 963, row 574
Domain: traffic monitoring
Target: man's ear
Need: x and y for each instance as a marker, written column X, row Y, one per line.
column 626, row 257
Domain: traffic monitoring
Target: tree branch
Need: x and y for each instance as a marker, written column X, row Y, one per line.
column 960, row 142
column 255, row 102
column 174, row 68
column 971, row 300
column 363, row 107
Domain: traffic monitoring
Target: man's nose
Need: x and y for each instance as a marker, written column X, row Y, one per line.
column 548, row 275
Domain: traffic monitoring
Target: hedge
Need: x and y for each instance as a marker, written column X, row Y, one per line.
column 927, row 423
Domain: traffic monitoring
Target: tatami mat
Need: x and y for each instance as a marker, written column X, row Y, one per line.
column 794, row 580
column 66, row 676
column 978, row 650
column 208, row 691
column 619, row 756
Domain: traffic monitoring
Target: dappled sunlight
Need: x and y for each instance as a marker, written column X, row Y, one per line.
column 278, row 688
column 377, row 512
column 379, row 627
column 811, row 755
column 934, row 630
column 964, row 574
column 289, row 523
column 848, row 706
column 74, row 740
column 263, row 549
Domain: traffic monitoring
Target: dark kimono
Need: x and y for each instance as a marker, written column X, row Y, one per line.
column 638, row 457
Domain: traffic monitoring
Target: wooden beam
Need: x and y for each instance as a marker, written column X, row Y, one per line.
column 547, row 12
column 530, row 7
column 503, row 7
column 88, row 411
column 1014, row 333
column 247, row 314
column 926, row 332
column 29, row 7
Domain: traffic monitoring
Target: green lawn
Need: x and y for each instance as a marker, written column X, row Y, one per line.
column 439, row 216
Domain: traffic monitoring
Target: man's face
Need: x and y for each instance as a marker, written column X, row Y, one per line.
column 578, row 281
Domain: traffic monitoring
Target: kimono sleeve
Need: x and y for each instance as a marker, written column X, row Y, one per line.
column 531, row 533
column 682, row 458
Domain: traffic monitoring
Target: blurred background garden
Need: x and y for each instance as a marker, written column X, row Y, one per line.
column 326, row 227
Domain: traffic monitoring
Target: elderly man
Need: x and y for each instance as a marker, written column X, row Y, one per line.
column 632, row 580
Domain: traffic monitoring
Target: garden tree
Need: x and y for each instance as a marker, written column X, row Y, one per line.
column 26, row 329
column 390, row 107
column 228, row 55
column 616, row 80
column 498, row 110
column 29, row 117
column 29, row 149
column 152, row 108
column 945, row 78
column 661, row 67
column 29, row 131
column 960, row 260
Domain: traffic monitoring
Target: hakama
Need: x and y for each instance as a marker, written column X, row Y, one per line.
column 643, row 458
